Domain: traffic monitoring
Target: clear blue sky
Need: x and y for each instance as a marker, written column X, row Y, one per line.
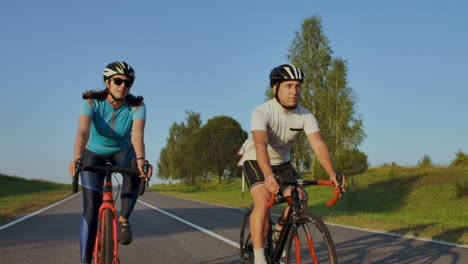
column 407, row 64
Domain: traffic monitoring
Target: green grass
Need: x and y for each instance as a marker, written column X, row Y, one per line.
column 421, row 202
column 19, row 197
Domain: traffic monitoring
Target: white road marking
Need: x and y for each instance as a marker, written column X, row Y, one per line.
column 206, row 231
column 343, row 226
column 37, row 212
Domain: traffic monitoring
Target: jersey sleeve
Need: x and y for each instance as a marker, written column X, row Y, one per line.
column 310, row 123
column 259, row 120
column 140, row 112
column 87, row 108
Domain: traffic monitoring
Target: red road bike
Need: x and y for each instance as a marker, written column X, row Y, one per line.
column 106, row 245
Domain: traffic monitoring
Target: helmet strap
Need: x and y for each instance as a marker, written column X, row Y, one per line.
column 279, row 101
column 113, row 98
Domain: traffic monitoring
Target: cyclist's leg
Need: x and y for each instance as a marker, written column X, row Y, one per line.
column 259, row 219
column 92, row 198
column 288, row 173
column 126, row 158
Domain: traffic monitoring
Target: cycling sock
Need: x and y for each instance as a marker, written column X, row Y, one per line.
column 259, row 254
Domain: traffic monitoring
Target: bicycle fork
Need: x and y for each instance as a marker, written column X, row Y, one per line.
column 107, row 203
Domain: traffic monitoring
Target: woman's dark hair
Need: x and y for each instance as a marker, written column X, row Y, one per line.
column 102, row 95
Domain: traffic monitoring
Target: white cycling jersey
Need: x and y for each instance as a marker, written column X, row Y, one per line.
column 282, row 128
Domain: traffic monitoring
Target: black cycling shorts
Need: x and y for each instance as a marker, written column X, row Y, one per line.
column 253, row 175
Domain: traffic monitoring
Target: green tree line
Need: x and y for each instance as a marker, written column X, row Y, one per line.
column 196, row 152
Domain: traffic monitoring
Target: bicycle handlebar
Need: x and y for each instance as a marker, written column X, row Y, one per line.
column 78, row 166
column 144, row 182
column 112, row 169
column 336, row 193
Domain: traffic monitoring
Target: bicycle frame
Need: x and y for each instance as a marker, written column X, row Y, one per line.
column 107, row 203
column 294, row 213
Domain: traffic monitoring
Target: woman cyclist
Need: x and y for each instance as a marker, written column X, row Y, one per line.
column 111, row 126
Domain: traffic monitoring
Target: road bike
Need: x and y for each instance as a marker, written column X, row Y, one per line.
column 304, row 237
column 106, row 245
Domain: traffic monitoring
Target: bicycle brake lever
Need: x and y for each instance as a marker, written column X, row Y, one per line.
column 339, row 179
column 145, row 170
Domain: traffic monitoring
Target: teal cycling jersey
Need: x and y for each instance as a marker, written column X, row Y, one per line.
column 111, row 126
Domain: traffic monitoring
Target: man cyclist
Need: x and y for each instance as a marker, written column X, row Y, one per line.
column 111, row 126
column 275, row 125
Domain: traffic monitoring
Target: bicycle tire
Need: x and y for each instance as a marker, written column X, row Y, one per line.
column 245, row 241
column 105, row 240
column 310, row 242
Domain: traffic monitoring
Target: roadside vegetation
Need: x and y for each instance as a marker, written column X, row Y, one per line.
column 19, row 196
column 423, row 201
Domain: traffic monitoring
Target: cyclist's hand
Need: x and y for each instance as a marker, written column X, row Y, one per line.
column 150, row 171
column 271, row 184
column 141, row 164
column 335, row 181
column 72, row 168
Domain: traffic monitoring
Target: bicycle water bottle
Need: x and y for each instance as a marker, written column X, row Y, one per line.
column 277, row 229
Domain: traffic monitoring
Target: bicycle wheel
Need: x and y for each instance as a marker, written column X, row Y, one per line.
column 310, row 242
column 245, row 241
column 105, row 241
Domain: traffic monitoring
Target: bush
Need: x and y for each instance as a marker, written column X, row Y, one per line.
column 460, row 160
column 348, row 161
column 461, row 188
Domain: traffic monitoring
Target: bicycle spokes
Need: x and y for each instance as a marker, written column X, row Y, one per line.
column 307, row 245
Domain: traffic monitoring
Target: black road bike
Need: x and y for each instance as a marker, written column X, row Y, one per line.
column 304, row 238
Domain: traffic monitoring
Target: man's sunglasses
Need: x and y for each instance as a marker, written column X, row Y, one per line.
column 118, row 82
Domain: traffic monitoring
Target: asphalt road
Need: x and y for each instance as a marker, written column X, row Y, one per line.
column 172, row 230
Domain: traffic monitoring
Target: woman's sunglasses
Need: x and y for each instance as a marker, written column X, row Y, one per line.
column 118, row 82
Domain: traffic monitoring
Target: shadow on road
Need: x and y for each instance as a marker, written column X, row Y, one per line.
column 380, row 248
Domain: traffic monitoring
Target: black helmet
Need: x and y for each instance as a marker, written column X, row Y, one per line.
column 285, row 72
column 119, row 67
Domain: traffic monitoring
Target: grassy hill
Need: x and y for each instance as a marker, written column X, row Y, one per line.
column 428, row 202
column 19, row 197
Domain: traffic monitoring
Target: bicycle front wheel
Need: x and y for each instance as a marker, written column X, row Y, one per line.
column 105, row 239
column 310, row 242
column 245, row 241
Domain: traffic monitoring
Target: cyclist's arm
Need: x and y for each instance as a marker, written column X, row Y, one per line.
column 138, row 134
column 82, row 136
column 260, row 138
column 322, row 154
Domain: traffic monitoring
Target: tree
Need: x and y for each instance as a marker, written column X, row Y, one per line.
column 352, row 162
column 326, row 94
column 170, row 155
column 425, row 162
column 216, row 145
column 175, row 161
column 460, row 160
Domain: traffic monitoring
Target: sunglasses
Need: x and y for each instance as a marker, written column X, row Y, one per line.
column 118, row 82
